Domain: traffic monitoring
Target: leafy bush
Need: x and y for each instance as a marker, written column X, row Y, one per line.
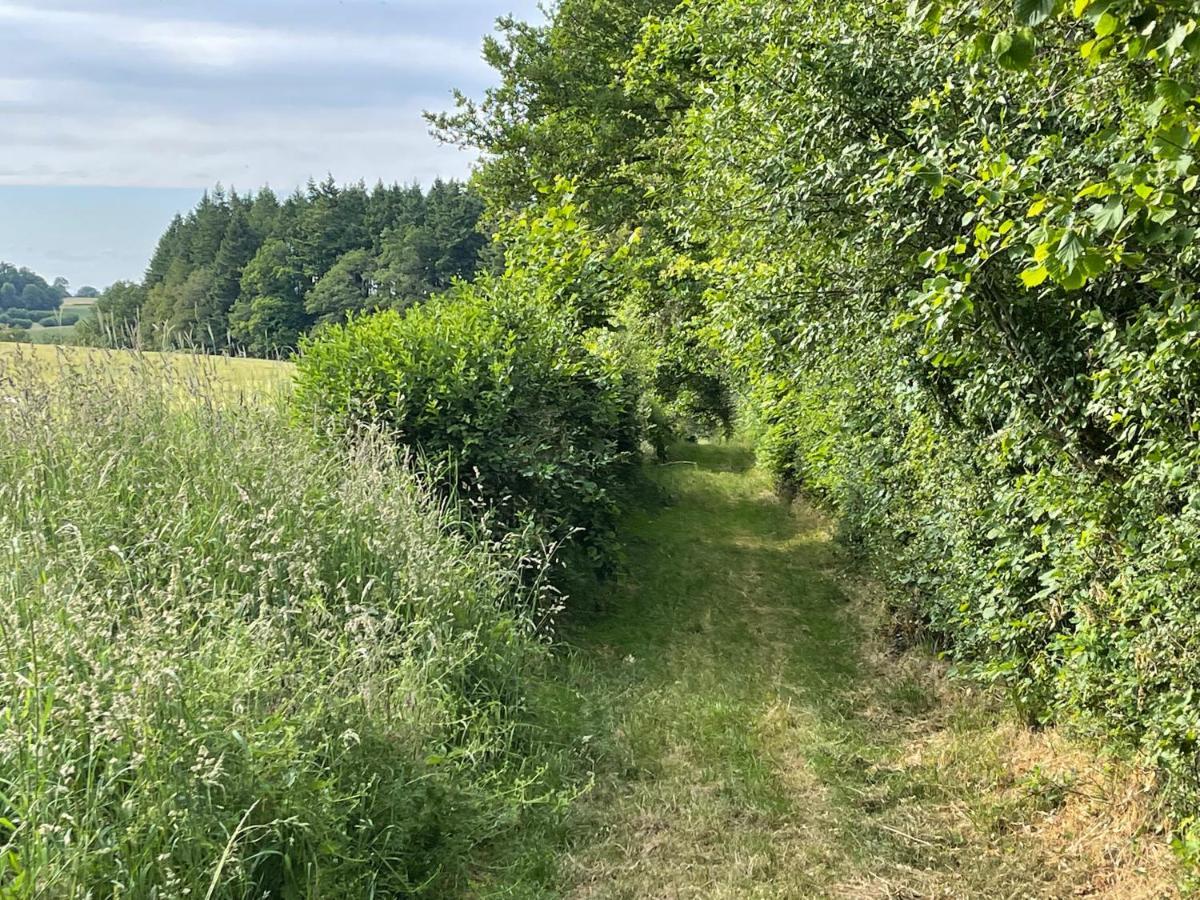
column 241, row 662
column 498, row 393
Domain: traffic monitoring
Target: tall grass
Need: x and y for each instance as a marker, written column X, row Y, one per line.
column 238, row 661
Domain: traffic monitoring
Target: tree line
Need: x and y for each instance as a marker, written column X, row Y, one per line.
column 21, row 288
column 254, row 273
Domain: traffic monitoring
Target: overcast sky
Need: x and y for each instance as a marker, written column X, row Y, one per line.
column 117, row 113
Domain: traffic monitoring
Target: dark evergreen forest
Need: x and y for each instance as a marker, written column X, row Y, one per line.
column 253, row 273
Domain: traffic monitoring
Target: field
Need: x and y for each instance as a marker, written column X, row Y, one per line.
column 84, row 307
column 229, row 372
column 240, row 660
column 79, row 304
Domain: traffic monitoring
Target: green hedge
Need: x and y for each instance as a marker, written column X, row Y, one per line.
column 952, row 248
column 499, row 395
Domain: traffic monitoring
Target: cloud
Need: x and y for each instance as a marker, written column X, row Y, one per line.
column 143, row 93
column 199, row 44
column 129, row 148
column 20, row 91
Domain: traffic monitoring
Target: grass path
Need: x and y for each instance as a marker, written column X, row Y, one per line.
column 752, row 741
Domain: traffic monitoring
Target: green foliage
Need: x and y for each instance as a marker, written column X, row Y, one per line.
column 21, row 288
column 950, row 251
column 241, row 661
column 252, row 274
column 344, row 290
column 506, row 385
column 269, row 315
column 116, row 319
column 20, row 316
column 566, row 108
column 422, row 256
column 497, row 393
column 961, row 298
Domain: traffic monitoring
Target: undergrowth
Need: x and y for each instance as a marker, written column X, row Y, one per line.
column 239, row 661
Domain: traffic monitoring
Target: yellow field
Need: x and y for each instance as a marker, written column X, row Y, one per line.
column 78, row 304
column 230, row 372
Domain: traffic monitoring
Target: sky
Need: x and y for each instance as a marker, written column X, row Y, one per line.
column 118, row 113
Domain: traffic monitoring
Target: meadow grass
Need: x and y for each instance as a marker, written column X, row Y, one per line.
column 227, row 374
column 753, row 735
column 240, row 659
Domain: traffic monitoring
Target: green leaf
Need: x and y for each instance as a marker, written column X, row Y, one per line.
column 1093, row 263
column 1107, row 216
column 1034, row 12
column 1172, row 141
column 1106, row 25
column 1074, row 279
column 1175, row 40
column 1070, row 248
column 1013, row 49
column 1034, row 277
column 923, row 13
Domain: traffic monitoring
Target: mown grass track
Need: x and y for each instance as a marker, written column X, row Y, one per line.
column 754, row 738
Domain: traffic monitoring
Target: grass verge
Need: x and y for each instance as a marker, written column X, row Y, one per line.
column 240, row 660
column 753, row 737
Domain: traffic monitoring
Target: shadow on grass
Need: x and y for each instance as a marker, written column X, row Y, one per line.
column 723, row 563
column 714, row 457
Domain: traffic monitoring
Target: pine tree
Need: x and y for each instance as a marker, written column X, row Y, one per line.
column 238, row 246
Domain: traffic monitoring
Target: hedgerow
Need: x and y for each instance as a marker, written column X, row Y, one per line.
column 949, row 250
column 499, row 386
column 966, row 304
